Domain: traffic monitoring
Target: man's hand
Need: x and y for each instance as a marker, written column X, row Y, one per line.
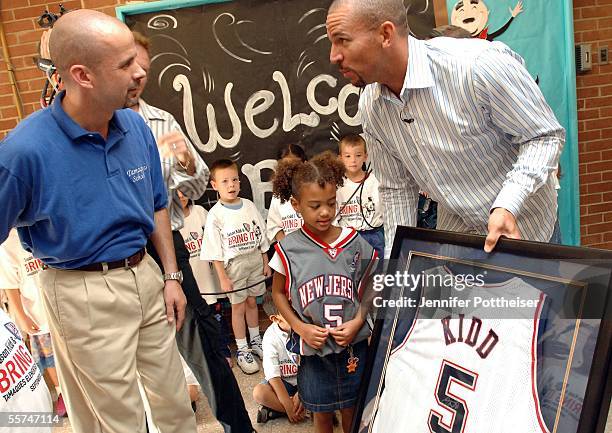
column 175, row 303
column 313, row 335
column 345, row 333
column 173, row 144
column 501, row 223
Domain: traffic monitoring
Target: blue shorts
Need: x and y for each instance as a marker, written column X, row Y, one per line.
column 324, row 383
column 291, row 389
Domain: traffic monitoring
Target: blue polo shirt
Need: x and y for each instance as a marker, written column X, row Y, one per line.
column 75, row 197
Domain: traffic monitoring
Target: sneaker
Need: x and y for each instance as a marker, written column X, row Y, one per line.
column 257, row 348
column 60, row 407
column 246, row 362
column 265, row 414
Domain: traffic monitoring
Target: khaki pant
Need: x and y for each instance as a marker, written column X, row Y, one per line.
column 105, row 327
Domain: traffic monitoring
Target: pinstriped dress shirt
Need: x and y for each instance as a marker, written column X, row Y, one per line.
column 472, row 129
column 176, row 179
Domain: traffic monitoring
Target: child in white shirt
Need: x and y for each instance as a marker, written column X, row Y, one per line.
column 278, row 392
column 282, row 217
column 358, row 201
column 24, row 390
column 19, row 277
column 236, row 244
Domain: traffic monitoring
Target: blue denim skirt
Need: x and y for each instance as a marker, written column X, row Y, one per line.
column 324, row 383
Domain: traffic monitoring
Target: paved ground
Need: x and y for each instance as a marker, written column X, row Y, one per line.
column 207, row 423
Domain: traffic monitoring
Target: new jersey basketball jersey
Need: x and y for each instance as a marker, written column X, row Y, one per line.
column 325, row 283
column 465, row 369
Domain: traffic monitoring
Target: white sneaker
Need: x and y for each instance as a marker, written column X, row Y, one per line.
column 246, row 362
column 257, row 348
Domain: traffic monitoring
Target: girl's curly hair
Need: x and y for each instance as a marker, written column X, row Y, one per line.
column 292, row 174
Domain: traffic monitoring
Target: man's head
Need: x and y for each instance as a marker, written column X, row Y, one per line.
column 95, row 56
column 143, row 58
column 363, row 34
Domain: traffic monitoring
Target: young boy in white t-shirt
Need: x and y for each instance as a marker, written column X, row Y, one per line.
column 235, row 241
column 23, row 389
column 277, row 394
column 19, row 278
column 358, row 201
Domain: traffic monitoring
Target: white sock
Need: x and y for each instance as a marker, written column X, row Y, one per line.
column 254, row 334
column 242, row 344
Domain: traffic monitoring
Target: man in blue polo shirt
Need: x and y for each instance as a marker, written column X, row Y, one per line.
column 82, row 182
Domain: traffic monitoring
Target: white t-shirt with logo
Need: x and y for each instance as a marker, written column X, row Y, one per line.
column 278, row 361
column 365, row 203
column 20, row 270
column 282, row 216
column 22, row 387
column 231, row 232
column 193, row 235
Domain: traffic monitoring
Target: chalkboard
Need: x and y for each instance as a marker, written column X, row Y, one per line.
column 246, row 77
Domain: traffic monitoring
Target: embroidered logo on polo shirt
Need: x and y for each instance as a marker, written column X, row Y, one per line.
column 137, row 174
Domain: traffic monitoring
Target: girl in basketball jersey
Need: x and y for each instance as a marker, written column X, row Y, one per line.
column 320, row 275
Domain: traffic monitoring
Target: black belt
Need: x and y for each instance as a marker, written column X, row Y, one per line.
column 130, row 262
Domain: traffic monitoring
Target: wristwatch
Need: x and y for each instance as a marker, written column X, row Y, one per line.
column 178, row 276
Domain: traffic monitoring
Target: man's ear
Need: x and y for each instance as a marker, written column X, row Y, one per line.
column 213, row 184
column 81, row 75
column 387, row 33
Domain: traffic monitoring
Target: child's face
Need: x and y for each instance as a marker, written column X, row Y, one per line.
column 184, row 200
column 317, row 206
column 227, row 183
column 353, row 158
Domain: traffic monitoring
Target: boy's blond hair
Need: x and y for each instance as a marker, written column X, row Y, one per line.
column 352, row 140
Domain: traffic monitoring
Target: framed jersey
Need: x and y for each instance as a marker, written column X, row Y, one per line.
column 465, row 342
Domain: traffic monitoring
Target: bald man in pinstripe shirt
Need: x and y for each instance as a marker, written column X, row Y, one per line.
column 459, row 118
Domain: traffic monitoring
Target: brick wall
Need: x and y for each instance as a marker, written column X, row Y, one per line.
column 593, row 24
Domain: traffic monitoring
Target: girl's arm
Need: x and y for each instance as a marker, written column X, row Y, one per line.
column 313, row 335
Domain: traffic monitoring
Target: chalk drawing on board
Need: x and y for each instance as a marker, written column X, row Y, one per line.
column 183, row 49
column 209, row 81
column 232, row 21
column 162, row 22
